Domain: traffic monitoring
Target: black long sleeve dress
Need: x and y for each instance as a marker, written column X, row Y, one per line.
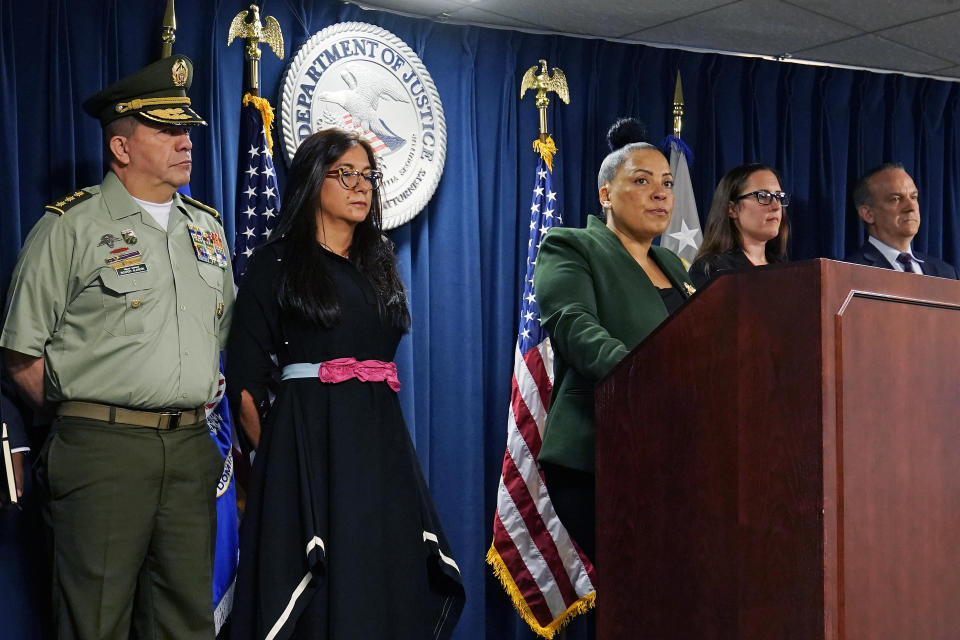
column 340, row 538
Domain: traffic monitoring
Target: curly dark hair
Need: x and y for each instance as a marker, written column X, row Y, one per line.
column 305, row 287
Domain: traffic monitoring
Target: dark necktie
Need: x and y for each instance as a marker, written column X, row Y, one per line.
column 907, row 261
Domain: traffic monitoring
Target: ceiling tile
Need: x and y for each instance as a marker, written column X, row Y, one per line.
column 874, row 52
column 936, row 36
column 475, row 15
column 905, row 36
column 952, row 72
column 606, row 18
column 427, row 8
column 871, row 15
column 750, row 26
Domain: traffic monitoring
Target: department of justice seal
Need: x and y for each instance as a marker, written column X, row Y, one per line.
column 363, row 78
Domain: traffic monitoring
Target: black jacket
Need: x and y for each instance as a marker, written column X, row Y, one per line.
column 706, row 268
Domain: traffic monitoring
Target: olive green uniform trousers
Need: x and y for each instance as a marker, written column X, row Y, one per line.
column 133, row 516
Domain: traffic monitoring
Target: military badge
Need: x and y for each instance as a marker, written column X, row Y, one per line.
column 208, row 246
column 108, row 239
column 133, row 268
column 179, row 72
column 61, row 206
column 690, row 289
column 129, row 236
column 126, row 263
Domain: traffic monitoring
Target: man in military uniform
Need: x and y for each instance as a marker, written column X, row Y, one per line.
column 118, row 308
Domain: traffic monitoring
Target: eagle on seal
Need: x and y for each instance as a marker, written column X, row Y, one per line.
column 362, row 101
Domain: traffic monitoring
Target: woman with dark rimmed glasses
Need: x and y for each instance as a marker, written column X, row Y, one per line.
column 747, row 225
column 340, row 538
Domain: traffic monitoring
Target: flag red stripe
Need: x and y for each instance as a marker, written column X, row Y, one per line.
column 521, row 575
column 526, row 425
column 527, row 507
column 539, row 372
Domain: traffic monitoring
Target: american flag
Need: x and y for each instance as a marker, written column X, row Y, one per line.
column 545, row 574
column 258, row 199
column 258, row 203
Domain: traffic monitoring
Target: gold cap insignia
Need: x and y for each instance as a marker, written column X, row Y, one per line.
column 169, row 114
column 179, row 72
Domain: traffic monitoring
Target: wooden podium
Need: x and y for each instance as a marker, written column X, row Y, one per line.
column 781, row 459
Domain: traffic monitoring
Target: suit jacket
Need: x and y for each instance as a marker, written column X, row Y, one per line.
column 871, row 256
column 597, row 304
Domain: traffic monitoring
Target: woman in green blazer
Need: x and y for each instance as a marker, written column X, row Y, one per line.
column 601, row 291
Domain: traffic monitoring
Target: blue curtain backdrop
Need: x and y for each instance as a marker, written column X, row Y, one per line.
column 462, row 256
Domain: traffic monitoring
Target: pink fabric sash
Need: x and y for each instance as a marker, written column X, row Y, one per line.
column 340, row 369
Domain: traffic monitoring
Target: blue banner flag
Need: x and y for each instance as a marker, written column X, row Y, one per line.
column 226, row 554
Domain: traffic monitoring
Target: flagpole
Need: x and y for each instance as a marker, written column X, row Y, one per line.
column 533, row 556
column 247, row 25
column 221, row 431
column 683, row 236
column 168, row 32
column 543, row 83
column 677, row 107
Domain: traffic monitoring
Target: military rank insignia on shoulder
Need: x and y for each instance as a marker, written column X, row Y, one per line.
column 200, row 205
column 61, row 206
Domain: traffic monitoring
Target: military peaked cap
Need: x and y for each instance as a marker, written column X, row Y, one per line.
column 157, row 93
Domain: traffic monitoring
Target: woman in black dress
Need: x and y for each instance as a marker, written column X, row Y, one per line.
column 340, row 538
column 747, row 225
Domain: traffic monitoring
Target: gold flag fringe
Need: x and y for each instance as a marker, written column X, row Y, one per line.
column 266, row 111
column 547, row 149
column 584, row 604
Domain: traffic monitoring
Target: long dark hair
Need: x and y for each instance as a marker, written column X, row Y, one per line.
column 305, row 287
column 721, row 234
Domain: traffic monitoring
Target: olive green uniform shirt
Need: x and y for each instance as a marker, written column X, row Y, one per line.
column 146, row 337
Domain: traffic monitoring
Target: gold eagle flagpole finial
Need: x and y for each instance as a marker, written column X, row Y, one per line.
column 168, row 32
column 247, row 25
column 677, row 107
column 544, row 83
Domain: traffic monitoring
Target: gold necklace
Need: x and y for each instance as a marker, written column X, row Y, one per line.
column 330, row 249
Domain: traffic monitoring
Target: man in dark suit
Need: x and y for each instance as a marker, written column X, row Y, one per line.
column 886, row 199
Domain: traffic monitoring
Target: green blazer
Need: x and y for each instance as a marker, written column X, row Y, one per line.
column 597, row 304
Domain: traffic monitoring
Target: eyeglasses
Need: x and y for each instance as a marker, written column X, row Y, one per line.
column 765, row 197
column 350, row 178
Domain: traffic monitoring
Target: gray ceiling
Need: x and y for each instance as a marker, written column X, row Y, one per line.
column 909, row 36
